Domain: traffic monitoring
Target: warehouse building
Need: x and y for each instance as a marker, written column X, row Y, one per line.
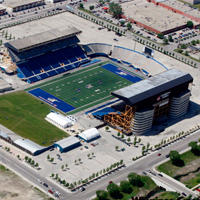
column 89, row 135
column 30, row 146
column 19, row 5
column 67, row 144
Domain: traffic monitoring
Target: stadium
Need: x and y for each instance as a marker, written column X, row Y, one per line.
column 107, row 82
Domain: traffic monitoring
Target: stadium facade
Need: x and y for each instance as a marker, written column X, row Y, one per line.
column 165, row 95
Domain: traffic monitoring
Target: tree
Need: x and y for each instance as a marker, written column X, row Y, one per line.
column 81, row 5
column 193, row 42
column 102, row 195
column 48, row 157
column 160, row 36
column 129, row 26
column 118, row 134
column 189, row 24
column 135, row 180
column 165, row 40
column 91, row 7
column 62, row 167
column 36, row 164
column 115, row 9
column 129, row 139
column 125, row 187
column 186, row 53
column 116, row 148
column 183, row 46
column 107, row 128
column 170, row 38
column 52, row 159
column 26, row 158
column 114, row 190
column 176, row 158
column 195, row 148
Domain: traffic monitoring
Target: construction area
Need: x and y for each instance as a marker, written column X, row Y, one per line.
column 152, row 17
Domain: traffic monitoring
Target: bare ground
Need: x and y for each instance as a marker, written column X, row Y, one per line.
column 12, row 187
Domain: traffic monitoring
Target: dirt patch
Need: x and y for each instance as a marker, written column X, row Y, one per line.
column 12, row 187
column 188, row 172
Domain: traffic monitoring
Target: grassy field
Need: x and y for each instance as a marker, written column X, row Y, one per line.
column 86, row 87
column 170, row 169
column 23, row 114
column 193, row 181
column 168, row 195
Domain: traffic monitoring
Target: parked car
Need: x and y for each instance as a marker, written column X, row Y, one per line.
column 45, row 185
column 50, row 191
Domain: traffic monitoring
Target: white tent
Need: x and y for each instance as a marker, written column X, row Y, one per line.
column 89, row 134
column 59, row 120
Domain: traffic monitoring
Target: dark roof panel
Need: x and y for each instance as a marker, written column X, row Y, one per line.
column 152, row 86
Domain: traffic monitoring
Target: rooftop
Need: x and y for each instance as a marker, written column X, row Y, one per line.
column 29, row 145
column 42, row 38
column 66, row 142
column 153, row 86
column 154, row 16
column 16, row 3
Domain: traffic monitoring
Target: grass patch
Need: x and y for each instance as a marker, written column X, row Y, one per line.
column 170, row 169
column 23, row 114
column 168, row 195
column 193, row 181
column 3, row 168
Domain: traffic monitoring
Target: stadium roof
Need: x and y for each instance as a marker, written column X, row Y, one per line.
column 42, row 38
column 67, row 142
column 152, row 86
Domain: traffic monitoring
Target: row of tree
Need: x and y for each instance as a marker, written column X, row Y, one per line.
column 115, row 191
column 87, row 180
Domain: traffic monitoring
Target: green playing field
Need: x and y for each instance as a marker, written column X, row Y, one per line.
column 85, row 87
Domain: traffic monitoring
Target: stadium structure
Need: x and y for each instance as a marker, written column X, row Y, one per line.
column 45, row 54
column 140, row 100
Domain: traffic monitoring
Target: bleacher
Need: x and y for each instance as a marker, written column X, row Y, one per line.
column 51, row 64
column 100, row 113
column 47, row 59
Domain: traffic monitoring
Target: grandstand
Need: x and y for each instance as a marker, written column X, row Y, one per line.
column 46, row 54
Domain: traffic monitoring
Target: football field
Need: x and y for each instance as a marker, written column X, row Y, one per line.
column 84, row 88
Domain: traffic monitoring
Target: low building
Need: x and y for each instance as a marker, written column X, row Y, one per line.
column 193, row 2
column 30, row 147
column 89, row 135
column 19, row 5
column 59, row 120
column 2, row 11
column 67, row 144
column 4, row 86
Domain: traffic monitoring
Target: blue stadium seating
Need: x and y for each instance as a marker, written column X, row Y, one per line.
column 52, row 63
column 100, row 114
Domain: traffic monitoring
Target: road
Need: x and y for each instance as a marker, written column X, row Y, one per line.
column 138, row 166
